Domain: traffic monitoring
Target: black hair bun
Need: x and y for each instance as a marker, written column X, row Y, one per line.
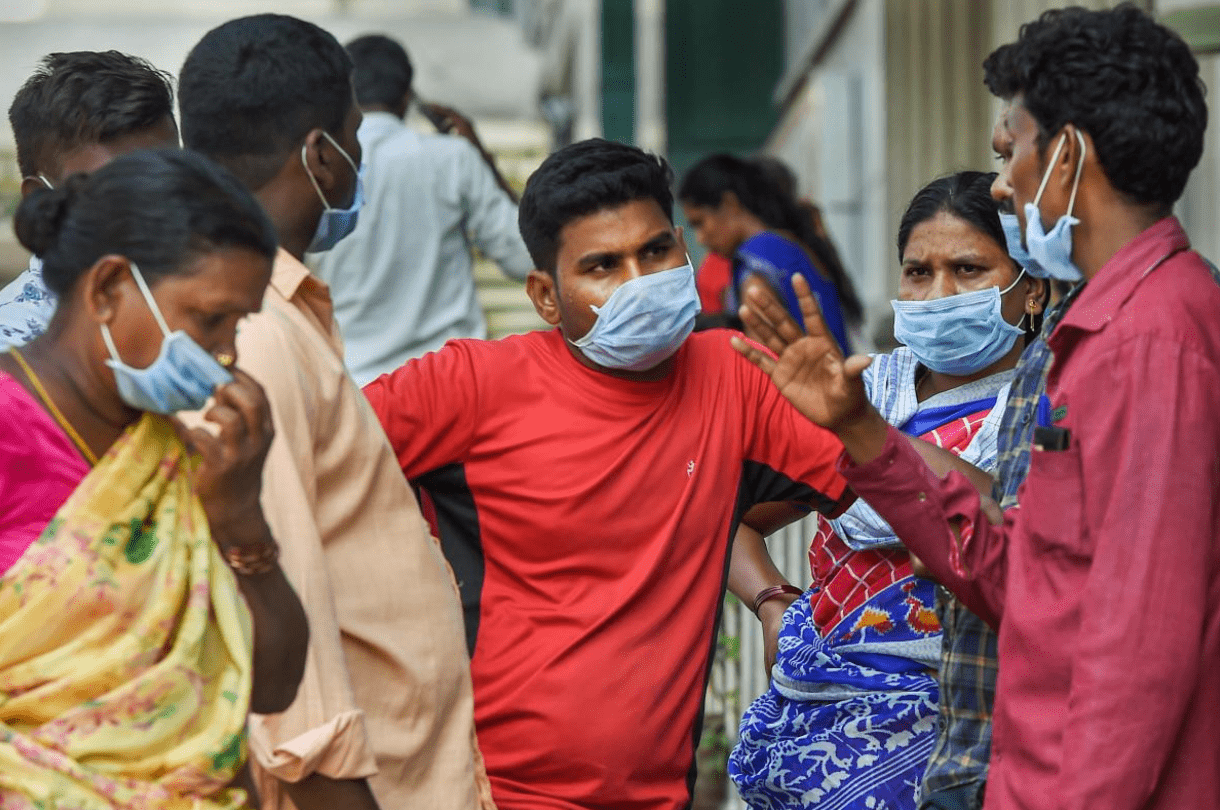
column 41, row 215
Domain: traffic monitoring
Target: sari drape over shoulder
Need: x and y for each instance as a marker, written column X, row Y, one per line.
column 849, row 719
column 125, row 646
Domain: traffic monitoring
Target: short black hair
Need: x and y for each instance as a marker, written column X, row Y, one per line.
column 253, row 88
column 161, row 208
column 81, row 98
column 382, row 72
column 1129, row 82
column 581, row 179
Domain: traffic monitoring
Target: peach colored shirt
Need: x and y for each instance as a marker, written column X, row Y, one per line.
column 386, row 692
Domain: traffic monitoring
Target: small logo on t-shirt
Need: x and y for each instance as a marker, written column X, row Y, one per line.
column 690, row 468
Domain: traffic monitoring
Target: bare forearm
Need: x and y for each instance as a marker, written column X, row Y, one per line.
column 318, row 792
column 490, row 160
column 751, row 568
column 750, row 572
column 245, row 781
column 281, row 630
column 281, row 640
column 769, row 518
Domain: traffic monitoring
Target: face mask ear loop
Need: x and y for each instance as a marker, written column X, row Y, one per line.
column 148, row 298
column 314, row 180
column 1079, row 169
column 1008, row 289
column 114, row 351
column 1047, row 175
column 342, row 151
column 45, row 181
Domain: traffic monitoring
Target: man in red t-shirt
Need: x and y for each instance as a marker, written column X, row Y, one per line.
column 588, row 482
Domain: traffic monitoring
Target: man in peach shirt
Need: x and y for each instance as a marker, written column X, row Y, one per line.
column 384, row 716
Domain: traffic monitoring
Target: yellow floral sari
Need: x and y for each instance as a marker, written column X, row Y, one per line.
column 125, row 646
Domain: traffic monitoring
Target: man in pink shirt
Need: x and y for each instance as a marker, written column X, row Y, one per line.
column 1104, row 580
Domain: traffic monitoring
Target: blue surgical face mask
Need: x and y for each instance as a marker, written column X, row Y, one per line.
column 181, row 378
column 1052, row 252
column 644, row 321
column 958, row 334
column 335, row 223
column 1016, row 249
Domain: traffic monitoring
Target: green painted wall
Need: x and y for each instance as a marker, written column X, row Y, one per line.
column 723, row 61
column 618, row 70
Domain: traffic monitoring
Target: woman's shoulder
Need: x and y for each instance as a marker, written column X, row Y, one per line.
column 35, row 434
column 16, row 407
column 775, row 247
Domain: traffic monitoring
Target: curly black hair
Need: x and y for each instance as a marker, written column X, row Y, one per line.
column 582, row 179
column 1129, row 82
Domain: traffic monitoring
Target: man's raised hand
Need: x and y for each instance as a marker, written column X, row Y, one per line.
column 808, row 369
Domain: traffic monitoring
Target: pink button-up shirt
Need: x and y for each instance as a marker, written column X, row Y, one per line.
column 1104, row 580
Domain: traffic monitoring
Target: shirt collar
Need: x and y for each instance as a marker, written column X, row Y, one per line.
column 1104, row 294
column 287, row 274
column 380, row 116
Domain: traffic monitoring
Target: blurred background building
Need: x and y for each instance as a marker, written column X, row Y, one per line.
column 865, row 99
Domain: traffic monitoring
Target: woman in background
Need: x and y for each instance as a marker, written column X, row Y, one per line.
column 741, row 213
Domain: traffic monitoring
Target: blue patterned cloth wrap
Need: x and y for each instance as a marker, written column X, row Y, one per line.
column 849, row 720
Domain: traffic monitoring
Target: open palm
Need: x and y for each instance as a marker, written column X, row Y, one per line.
column 808, row 369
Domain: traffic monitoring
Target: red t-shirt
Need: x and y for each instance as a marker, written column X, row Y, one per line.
column 588, row 521
column 39, row 469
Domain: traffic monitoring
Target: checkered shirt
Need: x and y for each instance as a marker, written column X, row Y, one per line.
column 968, row 653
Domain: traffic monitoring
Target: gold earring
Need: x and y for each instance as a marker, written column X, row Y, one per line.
column 225, row 360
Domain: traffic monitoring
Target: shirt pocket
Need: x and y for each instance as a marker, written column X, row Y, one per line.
column 1052, row 504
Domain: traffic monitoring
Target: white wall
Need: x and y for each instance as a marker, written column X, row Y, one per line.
column 479, row 64
column 1199, row 208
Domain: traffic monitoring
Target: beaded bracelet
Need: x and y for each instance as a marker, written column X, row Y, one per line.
column 773, row 591
column 254, row 559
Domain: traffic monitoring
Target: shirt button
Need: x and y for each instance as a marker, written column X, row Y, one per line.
column 922, row 497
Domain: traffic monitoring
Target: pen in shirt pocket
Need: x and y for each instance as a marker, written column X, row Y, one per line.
column 1046, row 435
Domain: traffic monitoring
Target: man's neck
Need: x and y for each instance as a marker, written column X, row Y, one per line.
column 293, row 231
column 1101, row 235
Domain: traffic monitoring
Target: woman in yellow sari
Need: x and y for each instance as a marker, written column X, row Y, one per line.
column 142, row 610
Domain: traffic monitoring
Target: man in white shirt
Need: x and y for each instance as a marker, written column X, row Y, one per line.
column 403, row 281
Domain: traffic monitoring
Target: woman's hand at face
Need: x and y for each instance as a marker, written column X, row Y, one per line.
column 229, row 479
